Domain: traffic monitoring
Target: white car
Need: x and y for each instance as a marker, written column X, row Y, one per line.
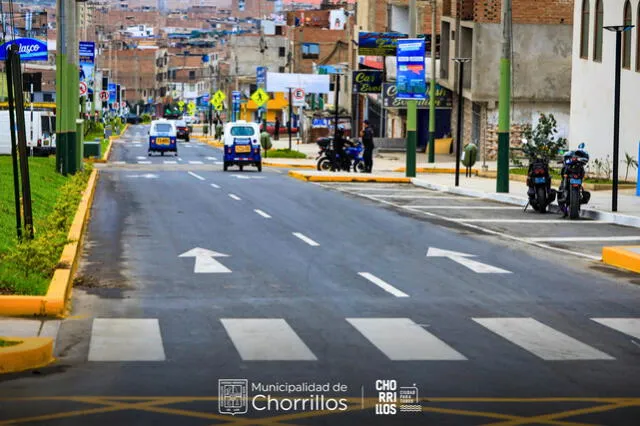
column 191, row 119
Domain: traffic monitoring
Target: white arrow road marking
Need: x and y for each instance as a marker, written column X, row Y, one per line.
column 306, row 239
column 196, row 176
column 383, row 285
column 263, row 214
column 463, row 259
column 206, row 262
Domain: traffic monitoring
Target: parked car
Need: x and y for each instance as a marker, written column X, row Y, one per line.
column 183, row 130
column 271, row 127
column 192, row 119
column 133, row 119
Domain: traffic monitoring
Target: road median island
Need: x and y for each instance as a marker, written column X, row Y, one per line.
column 625, row 257
column 25, row 353
column 315, row 176
column 36, row 275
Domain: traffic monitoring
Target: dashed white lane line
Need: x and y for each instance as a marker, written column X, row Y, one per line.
column 196, row 176
column 170, row 162
column 211, row 158
column 306, row 239
column 218, row 162
column 140, row 157
column 581, row 239
column 567, row 222
column 215, row 186
column 144, row 162
column 195, row 162
column 382, row 284
column 179, row 159
column 263, row 214
column 235, row 197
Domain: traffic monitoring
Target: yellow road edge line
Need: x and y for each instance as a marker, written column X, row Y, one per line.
column 621, row 257
column 32, row 352
column 54, row 302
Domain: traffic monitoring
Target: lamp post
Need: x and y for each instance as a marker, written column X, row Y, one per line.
column 290, row 115
column 618, row 29
column 461, row 62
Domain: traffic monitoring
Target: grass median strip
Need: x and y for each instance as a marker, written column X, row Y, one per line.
column 26, row 268
column 7, row 343
column 284, row 153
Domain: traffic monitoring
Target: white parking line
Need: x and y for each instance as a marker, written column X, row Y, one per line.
column 465, row 207
column 215, row 186
column 195, row 162
column 306, row 239
column 382, row 284
column 564, row 221
column 235, row 197
column 263, row 214
column 581, row 239
column 196, row 176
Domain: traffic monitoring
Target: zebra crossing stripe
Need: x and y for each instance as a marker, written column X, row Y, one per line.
column 266, row 339
column 401, row 339
column 126, row 339
column 541, row 340
column 628, row 326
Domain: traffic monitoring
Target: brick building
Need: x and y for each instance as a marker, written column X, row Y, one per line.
column 144, row 73
column 252, row 8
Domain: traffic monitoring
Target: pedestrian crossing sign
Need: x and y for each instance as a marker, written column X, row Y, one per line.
column 260, row 97
column 218, row 98
column 219, row 106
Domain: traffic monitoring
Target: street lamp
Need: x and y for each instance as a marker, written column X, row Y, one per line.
column 460, row 62
column 618, row 29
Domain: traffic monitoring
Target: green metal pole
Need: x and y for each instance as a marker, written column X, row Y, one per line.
column 61, row 88
column 432, row 88
column 412, row 106
column 504, row 119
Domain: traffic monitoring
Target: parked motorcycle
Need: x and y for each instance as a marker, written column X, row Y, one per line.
column 571, row 194
column 540, row 193
column 352, row 159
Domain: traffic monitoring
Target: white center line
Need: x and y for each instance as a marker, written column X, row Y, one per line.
column 306, row 239
column 263, row 214
column 215, row 186
column 235, row 197
column 195, row 162
column 196, row 176
column 383, row 285
column 144, row 162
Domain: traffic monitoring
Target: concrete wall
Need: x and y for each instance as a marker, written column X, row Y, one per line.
column 592, row 90
column 541, row 62
column 247, row 53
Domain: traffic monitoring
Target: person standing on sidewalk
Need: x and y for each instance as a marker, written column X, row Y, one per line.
column 367, row 140
column 276, row 130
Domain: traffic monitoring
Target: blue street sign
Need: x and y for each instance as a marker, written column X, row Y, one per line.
column 261, row 77
column 411, row 80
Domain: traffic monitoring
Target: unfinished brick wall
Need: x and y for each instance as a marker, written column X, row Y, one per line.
column 524, row 11
column 326, row 39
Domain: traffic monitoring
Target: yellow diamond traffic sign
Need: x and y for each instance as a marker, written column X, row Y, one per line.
column 219, row 107
column 218, row 98
column 260, row 97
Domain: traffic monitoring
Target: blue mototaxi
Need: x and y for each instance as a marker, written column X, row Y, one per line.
column 163, row 137
column 241, row 145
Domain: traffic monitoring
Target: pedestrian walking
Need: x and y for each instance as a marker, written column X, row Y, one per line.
column 276, row 130
column 367, row 140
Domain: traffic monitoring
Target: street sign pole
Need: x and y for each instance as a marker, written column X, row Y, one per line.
column 290, row 116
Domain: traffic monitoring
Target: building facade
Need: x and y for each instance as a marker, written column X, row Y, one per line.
column 592, row 84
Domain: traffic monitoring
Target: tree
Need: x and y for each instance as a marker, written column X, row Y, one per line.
column 630, row 162
column 541, row 142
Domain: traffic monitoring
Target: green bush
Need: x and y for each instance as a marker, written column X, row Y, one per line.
column 146, row 118
column 285, row 153
column 265, row 140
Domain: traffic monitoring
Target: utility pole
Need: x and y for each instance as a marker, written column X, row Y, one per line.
column 504, row 119
column 412, row 105
column 432, row 86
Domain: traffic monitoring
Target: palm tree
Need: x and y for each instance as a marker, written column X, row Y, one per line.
column 630, row 162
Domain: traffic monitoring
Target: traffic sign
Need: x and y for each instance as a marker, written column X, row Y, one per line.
column 219, row 107
column 218, row 97
column 83, row 88
column 104, row 96
column 123, row 104
column 181, row 104
column 114, row 105
column 298, row 97
column 260, row 97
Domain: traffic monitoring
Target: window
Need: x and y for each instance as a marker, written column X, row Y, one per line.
column 281, row 69
column 584, row 30
column 281, row 52
column 242, row 131
column 310, row 50
column 192, row 75
column 597, row 36
column 163, row 128
column 278, row 29
column 626, row 37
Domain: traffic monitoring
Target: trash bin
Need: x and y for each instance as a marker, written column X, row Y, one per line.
column 92, row 149
column 205, row 129
column 469, row 155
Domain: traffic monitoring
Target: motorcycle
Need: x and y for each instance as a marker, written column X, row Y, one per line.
column 540, row 193
column 571, row 194
column 353, row 155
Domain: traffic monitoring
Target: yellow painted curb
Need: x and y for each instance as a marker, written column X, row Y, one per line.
column 283, row 165
column 329, row 178
column 32, row 352
column 435, row 170
column 622, row 257
column 54, row 302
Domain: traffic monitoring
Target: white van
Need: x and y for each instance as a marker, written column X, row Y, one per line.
column 162, row 137
column 241, row 145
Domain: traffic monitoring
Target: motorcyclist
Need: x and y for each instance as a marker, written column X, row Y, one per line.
column 338, row 149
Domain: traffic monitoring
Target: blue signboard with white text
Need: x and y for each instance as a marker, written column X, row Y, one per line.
column 235, row 104
column 378, row 44
column 87, row 61
column 411, row 80
column 30, row 49
column 261, row 77
column 113, row 95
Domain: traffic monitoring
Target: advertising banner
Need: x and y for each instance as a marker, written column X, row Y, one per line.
column 391, row 100
column 367, row 81
column 113, row 93
column 411, row 77
column 261, row 77
column 30, row 49
column 87, row 53
column 378, row 44
column 310, row 83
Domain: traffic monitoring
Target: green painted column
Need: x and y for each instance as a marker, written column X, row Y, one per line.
column 412, row 136
column 432, row 118
column 504, row 102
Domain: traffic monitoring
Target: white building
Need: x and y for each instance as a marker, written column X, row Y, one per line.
column 592, row 82
column 139, row 31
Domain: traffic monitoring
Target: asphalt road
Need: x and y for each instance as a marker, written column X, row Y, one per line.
column 310, row 285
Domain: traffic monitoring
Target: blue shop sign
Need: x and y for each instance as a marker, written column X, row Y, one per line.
column 30, row 49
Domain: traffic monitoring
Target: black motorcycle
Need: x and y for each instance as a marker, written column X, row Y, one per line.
column 353, row 156
column 571, row 194
column 539, row 182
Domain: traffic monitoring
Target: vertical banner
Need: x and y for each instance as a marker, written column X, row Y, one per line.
column 87, row 53
column 261, row 82
column 235, row 104
column 113, row 98
column 411, row 78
